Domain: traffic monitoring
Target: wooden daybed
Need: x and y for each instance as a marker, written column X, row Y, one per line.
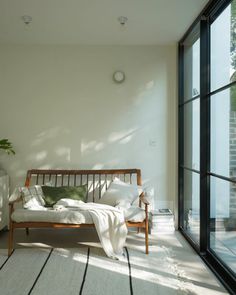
column 97, row 182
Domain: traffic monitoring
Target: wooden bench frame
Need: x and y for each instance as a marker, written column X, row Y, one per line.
column 44, row 174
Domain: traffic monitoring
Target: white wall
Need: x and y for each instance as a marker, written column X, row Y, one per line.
column 61, row 109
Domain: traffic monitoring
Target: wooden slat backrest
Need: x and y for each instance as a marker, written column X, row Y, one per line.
column 97, row 180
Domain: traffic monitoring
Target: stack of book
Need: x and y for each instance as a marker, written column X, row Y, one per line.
column 162, row 220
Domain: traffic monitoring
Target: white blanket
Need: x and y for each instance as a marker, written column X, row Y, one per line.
column 109, row 223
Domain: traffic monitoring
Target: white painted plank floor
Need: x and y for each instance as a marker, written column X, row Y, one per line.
column 181, row 261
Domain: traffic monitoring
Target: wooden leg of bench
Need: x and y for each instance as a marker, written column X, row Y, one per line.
column 146, row 235
column 10, row 239
column 27, row 231
column 146, row 228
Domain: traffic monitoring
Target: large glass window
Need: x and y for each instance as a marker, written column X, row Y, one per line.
column 207, row 137
column 191, row 141
column 223, row 137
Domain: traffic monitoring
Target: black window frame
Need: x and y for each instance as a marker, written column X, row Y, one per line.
column 209, row 14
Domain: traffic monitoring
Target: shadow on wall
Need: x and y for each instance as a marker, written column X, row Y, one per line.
column 72, row 153
column 99, row 137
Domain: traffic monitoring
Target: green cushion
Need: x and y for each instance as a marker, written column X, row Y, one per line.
column 51, row 194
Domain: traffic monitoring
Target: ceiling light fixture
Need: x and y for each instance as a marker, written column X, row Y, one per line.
column 27, row 19
column 122, row 20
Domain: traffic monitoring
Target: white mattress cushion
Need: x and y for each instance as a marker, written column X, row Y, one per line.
column 72, row 216
column 49, row 215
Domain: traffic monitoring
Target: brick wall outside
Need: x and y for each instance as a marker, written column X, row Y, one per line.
column 232, row 159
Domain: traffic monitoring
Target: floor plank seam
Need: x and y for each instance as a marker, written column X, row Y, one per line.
column 85, row 273
column 4, row 263
column 130, row 274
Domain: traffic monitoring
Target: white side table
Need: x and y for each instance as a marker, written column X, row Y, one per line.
column 4, row 196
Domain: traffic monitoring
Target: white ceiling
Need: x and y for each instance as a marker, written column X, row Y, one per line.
column 95, row 21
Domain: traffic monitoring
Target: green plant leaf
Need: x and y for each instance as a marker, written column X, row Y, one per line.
column 6, row 145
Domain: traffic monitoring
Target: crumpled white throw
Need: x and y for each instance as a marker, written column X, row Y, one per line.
column 109, row 223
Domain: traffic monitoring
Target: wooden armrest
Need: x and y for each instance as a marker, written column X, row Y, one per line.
column 11, row 209
column 11, row 206
column 143, row 199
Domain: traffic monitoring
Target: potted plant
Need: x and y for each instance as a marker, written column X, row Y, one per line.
column 6, row 145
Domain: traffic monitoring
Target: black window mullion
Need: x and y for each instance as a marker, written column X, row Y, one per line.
column 190, row 169
column 180, row 73
column 215, row 8
column 223, row 88
column 204, row 133
column 181, row 198
column 189, row 100
column 181, row 139
column 233, row 180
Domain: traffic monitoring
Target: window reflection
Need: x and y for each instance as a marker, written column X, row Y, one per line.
column 223, row 48
column 192, row 134
column 223, row 137
column 191, row 204
column 192, row 64
column 223, row 221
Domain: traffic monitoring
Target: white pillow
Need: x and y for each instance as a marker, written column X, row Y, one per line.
column 120, row 194
column 32, row 196
column 16, row 195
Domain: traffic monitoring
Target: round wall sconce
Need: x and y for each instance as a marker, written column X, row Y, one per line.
column 119, row 76
column 27, row 19
column 122, row 20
